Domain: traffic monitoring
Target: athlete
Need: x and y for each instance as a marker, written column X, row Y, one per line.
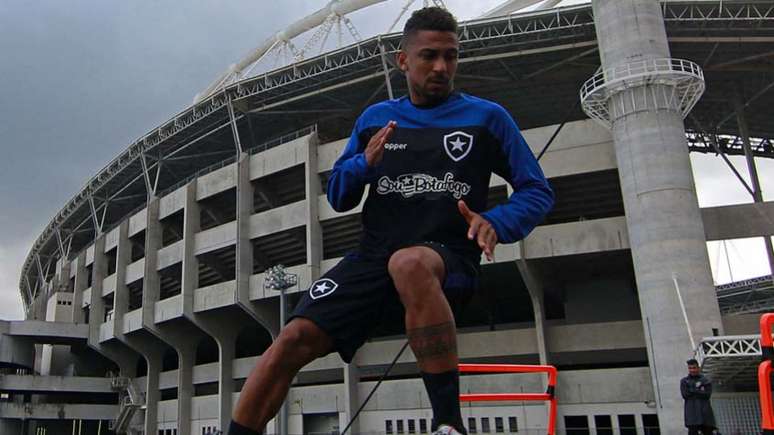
column 427, row 159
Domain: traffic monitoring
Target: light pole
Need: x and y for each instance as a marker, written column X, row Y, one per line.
column 278, row 279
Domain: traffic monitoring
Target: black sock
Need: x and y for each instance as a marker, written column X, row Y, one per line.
column 237, row 429
column 444, row 391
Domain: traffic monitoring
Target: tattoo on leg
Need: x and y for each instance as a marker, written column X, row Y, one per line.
column 434, row 341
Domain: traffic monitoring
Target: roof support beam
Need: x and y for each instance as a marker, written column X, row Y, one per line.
column 234, row 128
column 747, row 103
column 562, row 62
column 750, row 158
column 386, row 70
column 710, row 139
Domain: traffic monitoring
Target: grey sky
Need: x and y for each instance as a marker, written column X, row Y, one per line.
column 80, row 80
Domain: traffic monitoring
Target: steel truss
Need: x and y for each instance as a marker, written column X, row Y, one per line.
column 701, row 142
column 731, row 359
column 481, row 40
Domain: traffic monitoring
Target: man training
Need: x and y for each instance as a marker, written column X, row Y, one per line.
column 427, row 159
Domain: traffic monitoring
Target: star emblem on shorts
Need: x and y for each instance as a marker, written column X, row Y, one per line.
column 322, row 287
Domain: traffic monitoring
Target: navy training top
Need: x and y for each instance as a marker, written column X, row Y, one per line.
column 435, row 157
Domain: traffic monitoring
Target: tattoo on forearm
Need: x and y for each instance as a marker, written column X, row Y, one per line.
column 434, row 341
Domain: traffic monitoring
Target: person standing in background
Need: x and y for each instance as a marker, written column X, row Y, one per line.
column 696, row 390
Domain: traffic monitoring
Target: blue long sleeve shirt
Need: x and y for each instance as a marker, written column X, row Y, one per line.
column 435, row 157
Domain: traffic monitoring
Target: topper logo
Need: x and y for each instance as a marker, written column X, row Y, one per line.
column 395, row 146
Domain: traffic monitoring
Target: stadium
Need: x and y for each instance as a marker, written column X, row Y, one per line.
column 147, row 299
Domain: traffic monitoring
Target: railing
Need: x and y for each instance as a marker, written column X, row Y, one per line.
column 221, row 164
column 130, row 403
column 549, row 396
column 685, row 78
column 764, row 374
column 283, row 139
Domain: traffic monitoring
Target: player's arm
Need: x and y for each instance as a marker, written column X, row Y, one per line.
column 356, row 167
column 532, row 198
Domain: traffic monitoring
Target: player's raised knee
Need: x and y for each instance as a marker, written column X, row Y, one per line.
column 415, row 262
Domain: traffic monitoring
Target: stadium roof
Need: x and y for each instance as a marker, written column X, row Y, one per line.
column 532, row 63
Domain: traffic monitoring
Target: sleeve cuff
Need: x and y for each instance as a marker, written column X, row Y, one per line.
column 362, row 169
column 499, row 230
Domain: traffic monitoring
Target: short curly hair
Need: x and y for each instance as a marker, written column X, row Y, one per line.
column 429, row 18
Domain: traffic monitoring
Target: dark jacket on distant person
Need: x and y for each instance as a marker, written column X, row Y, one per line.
column 696, row 391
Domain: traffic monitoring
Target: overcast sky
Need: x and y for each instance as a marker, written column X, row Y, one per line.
column 80, row 80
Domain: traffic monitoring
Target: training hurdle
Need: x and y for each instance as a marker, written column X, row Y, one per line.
column 764, row 374
column 549, row 396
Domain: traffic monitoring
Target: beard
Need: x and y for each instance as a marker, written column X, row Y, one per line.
column 435, row 91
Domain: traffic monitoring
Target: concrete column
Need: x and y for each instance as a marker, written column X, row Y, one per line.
column 190, row 264
column 244, row 249
column 63, row 274
column 182, row 336
column 224, row 333
column 81, row 282
column 314, row 248
column 268, row 318
column 535, row 289
column 351, row 395
column 121, row 295
column 153, row 394
column 186, row 357
column 123, row 357
column 98, row 273
column 151, row 283
column 226, row 347
column 662, row 213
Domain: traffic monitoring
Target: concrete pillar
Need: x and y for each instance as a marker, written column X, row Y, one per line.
column 314, row 248
column 269, row 319
column 351, row 395
column 662, row 213
column 224, row 333
column 535, row 288
column 81, row 283
column 153, row 394
column 244, row 249
column 186, row 357
column 181, row 336
column 121, row 295
column 189, row 263
column 63, row 275
column 123, row 357
column 151, row 283
column 97, row 306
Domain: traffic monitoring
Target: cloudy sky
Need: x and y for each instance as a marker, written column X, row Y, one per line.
column 80, row 80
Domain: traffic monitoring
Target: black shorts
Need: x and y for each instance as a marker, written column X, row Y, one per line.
column 349, row 300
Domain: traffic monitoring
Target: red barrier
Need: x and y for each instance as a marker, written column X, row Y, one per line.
column 764, row 374
column 549, row 395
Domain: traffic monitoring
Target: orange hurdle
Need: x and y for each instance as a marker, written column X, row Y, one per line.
column 549, row 395
column 764, row 374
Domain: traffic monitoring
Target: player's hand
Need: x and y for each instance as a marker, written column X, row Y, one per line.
column 480, row 229
column 375, row 148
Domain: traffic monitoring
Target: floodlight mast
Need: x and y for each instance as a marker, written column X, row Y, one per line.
column 278, row 279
